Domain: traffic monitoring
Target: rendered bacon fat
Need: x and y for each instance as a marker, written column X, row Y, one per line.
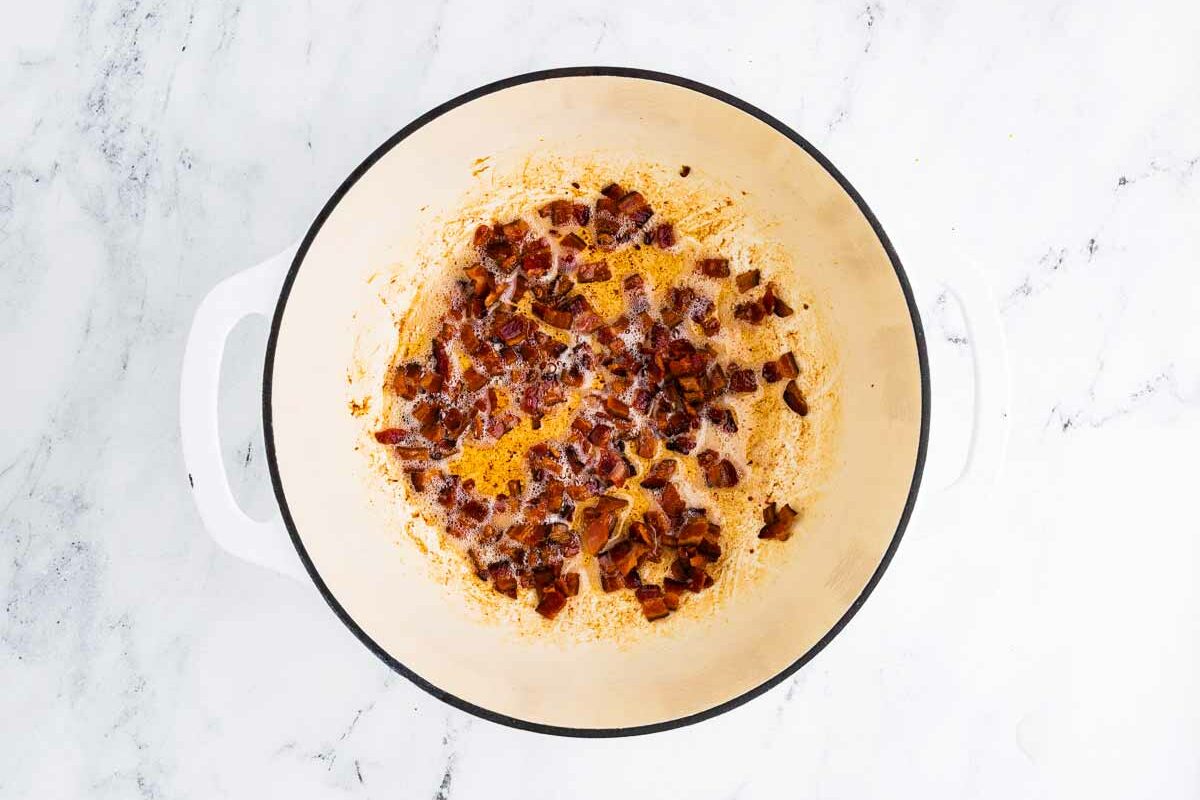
column 520, row 340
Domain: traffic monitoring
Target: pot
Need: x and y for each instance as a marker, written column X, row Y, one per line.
column 328, row 533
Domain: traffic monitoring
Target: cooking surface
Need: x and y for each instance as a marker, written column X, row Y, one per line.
column 1045, row 647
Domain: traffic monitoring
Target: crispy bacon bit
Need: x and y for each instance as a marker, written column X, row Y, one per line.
column 390, row 435
column 474, row 379
column 421, row 479
column 723, row 418
column 499, row 425
column 654, row 604
column 664, row 236
column 594, row 272
column 794, row 399
column 778, row 523
column 671, row 501
column 483, row 235
column 742, row 380
column 613, row 191
column 503, row 577
column 672, row 590
column 747, row 280
column 721, row 474
column 516, row 230
column 660, row 474
column 751, row 312
column 711, row 326
column 773, row 303
column 572, row 241
column 559, row 212
column 693, row 532
column 684, row 171
column 597, row 527
column 503, row 253
column 537, row 261
column 568, row 583
column 513, row 330
column 713, row 267
column 617, row 408
column 600, row 435
column 550, row 603
column 647, row 445
column 553, row 316
column 407, row 382
column 412, row 453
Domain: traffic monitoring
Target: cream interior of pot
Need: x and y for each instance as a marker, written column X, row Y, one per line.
column 387, row 588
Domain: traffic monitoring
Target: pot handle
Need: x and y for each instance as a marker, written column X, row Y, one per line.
column 253, row 291
column 990, row 418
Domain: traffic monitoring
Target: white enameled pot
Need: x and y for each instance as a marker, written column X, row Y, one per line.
column 325, row 534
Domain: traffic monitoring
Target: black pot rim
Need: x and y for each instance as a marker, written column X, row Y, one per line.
column 269, row 436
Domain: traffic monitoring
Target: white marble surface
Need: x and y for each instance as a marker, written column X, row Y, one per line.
column 1045, row 644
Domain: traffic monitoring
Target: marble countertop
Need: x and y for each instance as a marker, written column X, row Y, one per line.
column 1044, row 644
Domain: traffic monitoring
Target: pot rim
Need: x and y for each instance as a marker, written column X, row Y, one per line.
column 269, row 437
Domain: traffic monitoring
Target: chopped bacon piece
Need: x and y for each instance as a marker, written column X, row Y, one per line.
column 600, row 435
column 503, row 578
column 747, row 280
column 499, row 425
column 723, row 418
column 581, row 213
column 503, row 253
column 671, row 501
column 412, row 453
column 660, row 474
column 513, row 330
column 616, row 407
column 481, row 279
column 664, row 235
column 573, row 241
column 594, row 272
column 634, row 206
column 390, row 435
column 516, row 230
column 613, row 191
column 654, row 603
column 567, row 584
column 721, row 474
column 795, row 399
column 550, row 603
column 611, row 583
column 537, row 261
column 711, row 326
column 525, row 533
column 432, row 382
column 613, row 468
column 421, row 479
column 672, row 591
column 597, row 527
column 425, row 412
column 647, row 445
column 407, row 382
column 778, row 523
column 553, row 316
column 559, row 212
column 483, row 235
column 682, row 444
column 455, row 422
column 751, row 312
column 608, row 502
column 713, row 267
column 773, row 303
column 742, row 380
column 474, row 379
